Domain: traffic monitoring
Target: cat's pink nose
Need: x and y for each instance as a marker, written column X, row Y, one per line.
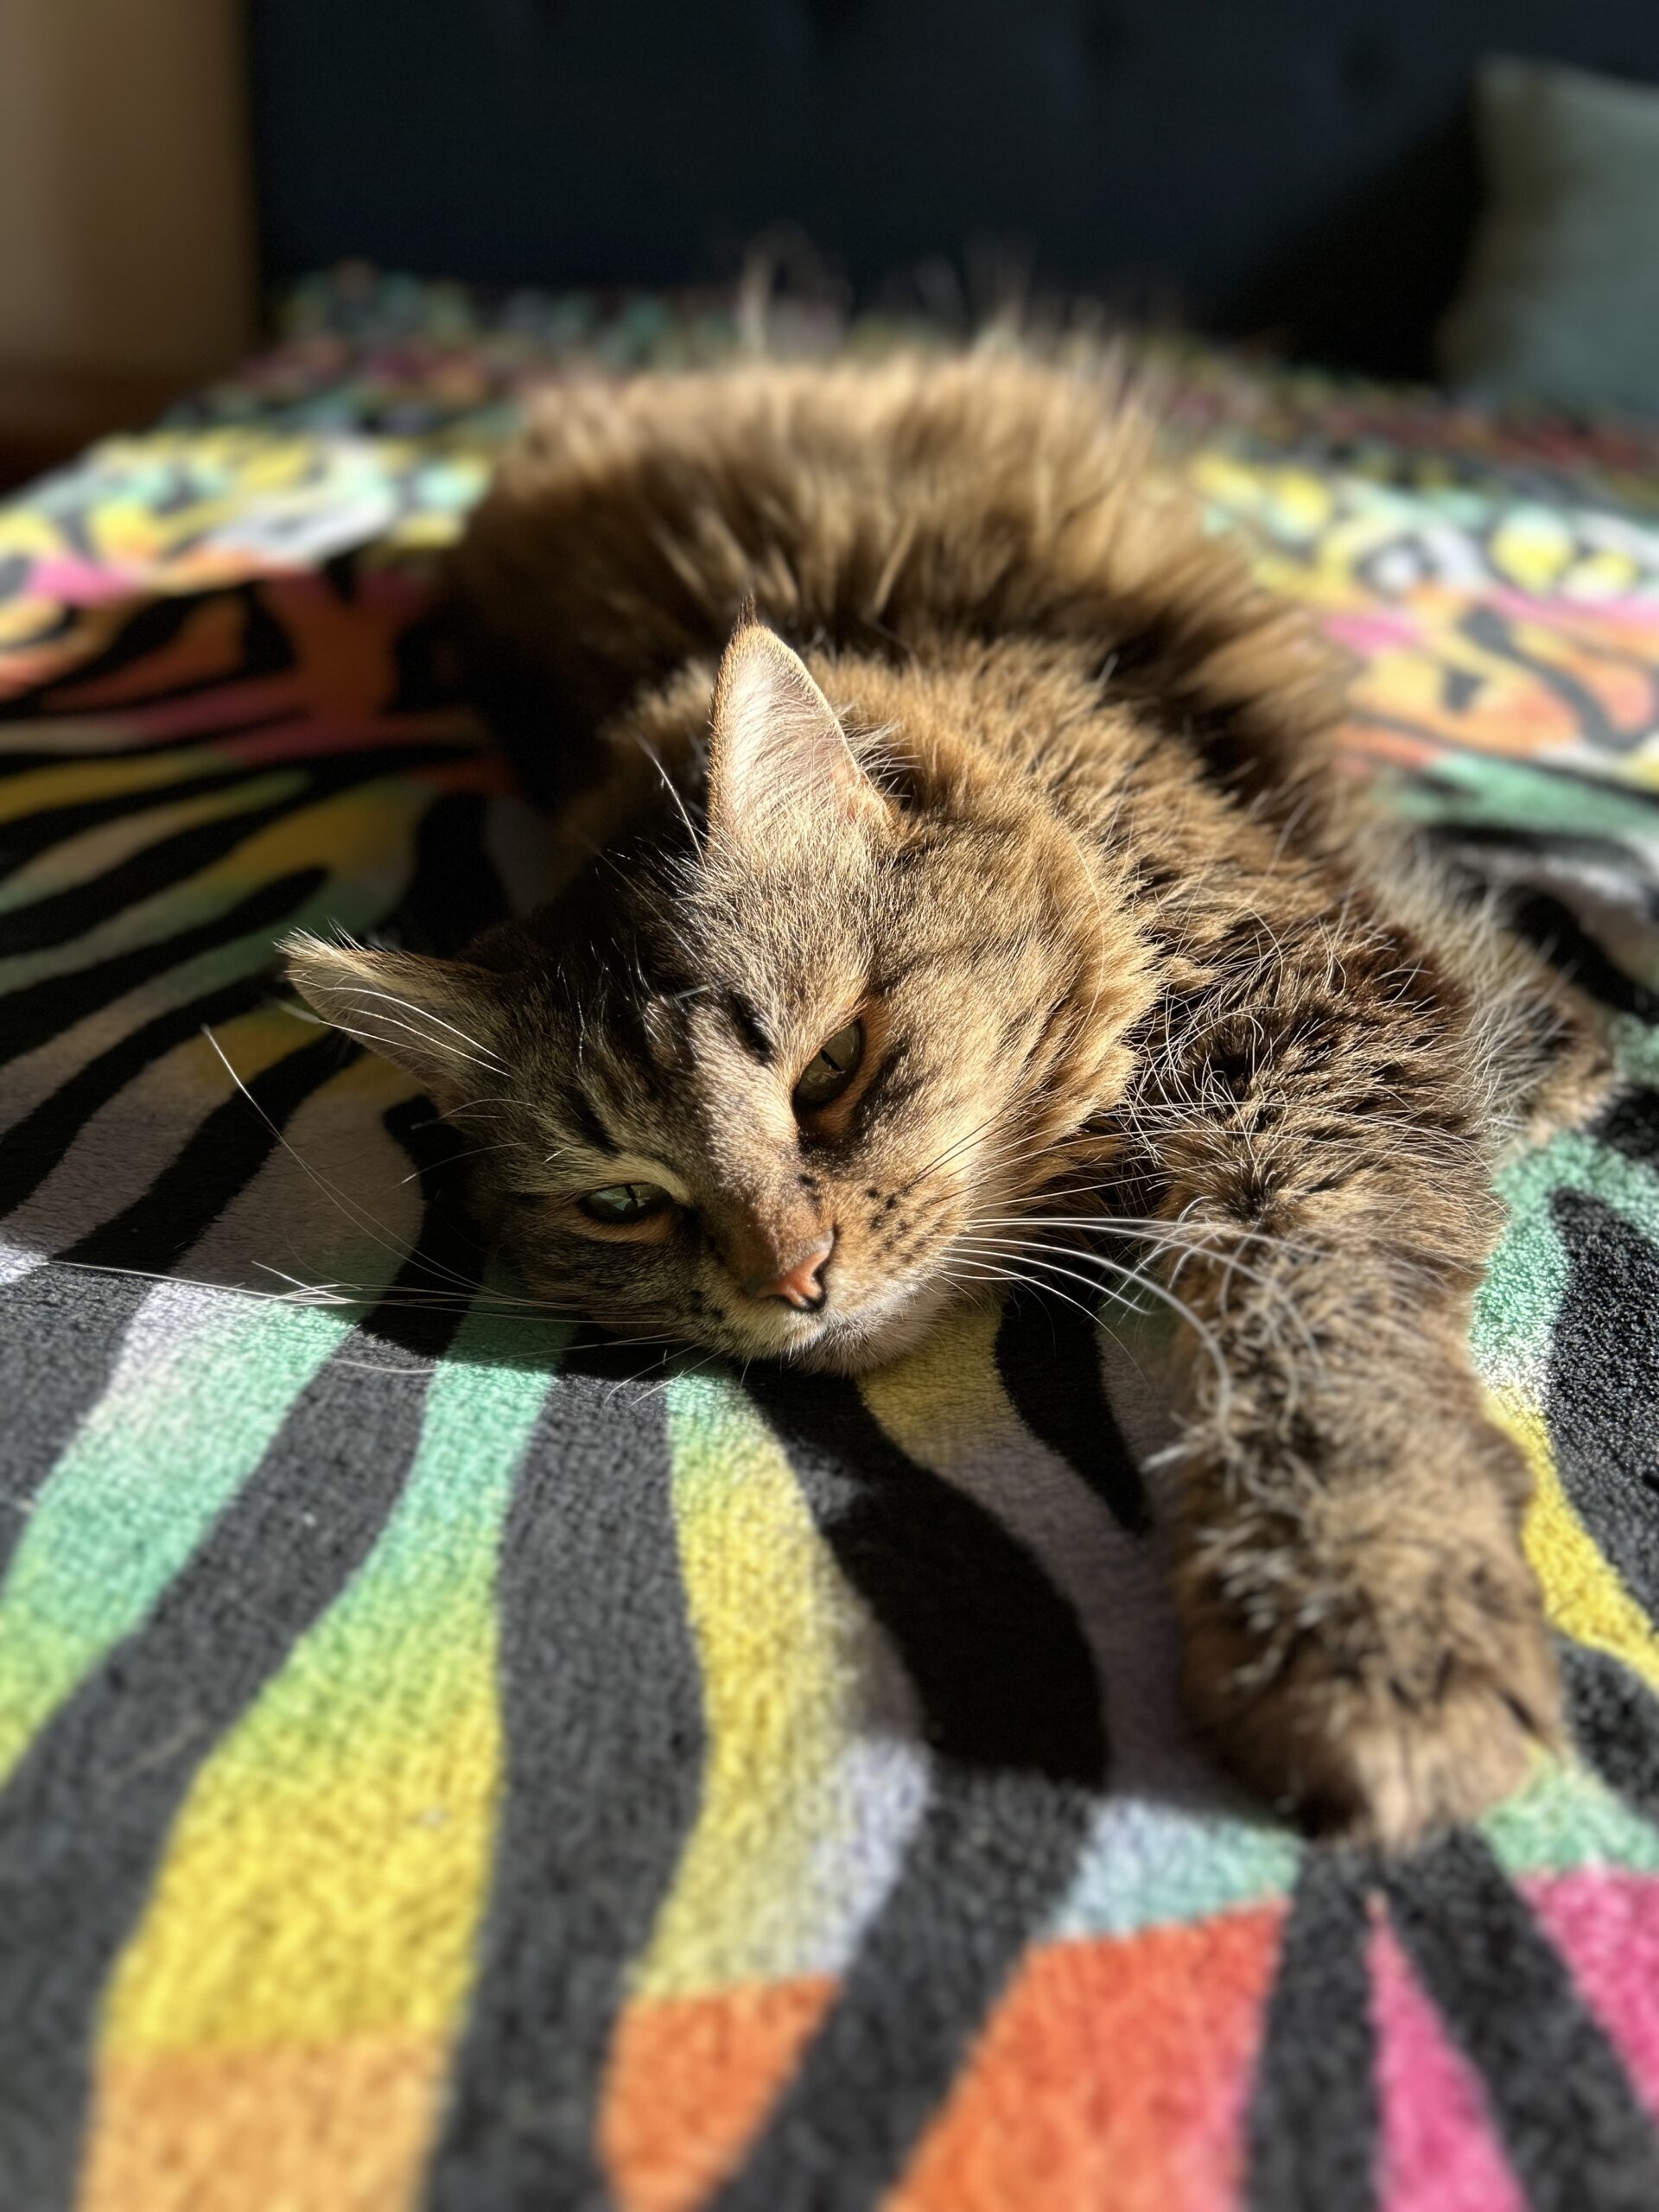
column 799, row 1285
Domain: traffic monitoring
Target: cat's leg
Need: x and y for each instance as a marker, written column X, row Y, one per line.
column 1365, row 1639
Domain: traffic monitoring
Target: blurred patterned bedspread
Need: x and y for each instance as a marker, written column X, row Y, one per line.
column 442, row 1763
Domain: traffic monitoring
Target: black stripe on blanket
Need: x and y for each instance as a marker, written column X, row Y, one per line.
column 454, row 890
column 61, row 1336
column 31, row 1148
column 1312, row 2118
column 1556, row 932
column 444, row 1268
column 33, row 833
column 155, row 624
column 1011, row 1712
column 1575, row 2129
column 601, row 1710
column 172, row 858
column 1630, row 1125
column 1615, row 1719
column 218, row 1160
column 338, row 770
column 1602, row 1395
column 1048, row 1356
column 263, row 647
column 1498, row 633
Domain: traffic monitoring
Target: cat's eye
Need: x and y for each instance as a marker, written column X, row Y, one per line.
column 621, row 1203
column 831, row 1069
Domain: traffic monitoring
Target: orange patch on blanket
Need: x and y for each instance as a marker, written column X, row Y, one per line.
column 691, row 2080
column 341, row 2129
column 1114, row 2072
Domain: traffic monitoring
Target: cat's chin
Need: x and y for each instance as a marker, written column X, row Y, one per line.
column 876, row 1335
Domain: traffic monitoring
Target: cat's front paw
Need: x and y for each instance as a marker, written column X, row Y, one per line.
column 1379, row 1688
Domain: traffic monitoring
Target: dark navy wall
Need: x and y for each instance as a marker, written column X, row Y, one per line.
column 1298, row 165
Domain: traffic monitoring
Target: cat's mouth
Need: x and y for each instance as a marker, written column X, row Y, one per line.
column 850, row 1338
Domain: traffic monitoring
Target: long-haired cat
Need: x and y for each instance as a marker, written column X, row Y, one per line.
column 957, row 885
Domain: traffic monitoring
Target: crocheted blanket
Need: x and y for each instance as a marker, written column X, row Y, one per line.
column 446, row 1760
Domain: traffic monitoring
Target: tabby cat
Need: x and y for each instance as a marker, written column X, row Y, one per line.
column 956, row 884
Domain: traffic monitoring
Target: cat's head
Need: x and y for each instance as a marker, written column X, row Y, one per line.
column 770, row 1081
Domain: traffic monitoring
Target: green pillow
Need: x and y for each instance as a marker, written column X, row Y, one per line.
column 1560, row 298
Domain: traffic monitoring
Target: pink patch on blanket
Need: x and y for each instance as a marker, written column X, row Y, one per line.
column 1605, row 1922
column 1438, row 2151
column 79, row 583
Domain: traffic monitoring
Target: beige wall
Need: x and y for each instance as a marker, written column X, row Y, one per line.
column 126, row 261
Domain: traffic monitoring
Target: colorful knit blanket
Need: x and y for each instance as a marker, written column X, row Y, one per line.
column 447, row 1761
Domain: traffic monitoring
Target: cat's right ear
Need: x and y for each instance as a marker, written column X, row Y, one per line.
column 438, row 1020
column 780, row 770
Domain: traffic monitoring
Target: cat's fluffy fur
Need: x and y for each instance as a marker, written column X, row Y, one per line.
column 1007, row 758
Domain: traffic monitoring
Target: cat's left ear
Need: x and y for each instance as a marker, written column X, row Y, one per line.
column 780, row 765
column 437, row 1018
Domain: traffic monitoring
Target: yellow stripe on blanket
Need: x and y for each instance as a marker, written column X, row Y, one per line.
column 75, row 782
column 1583, row 1592
column 771, row 1621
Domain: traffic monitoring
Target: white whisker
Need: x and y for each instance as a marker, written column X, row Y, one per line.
column 425, row 1013
column 364, row 1222
column 1200, row 1329
column 437, row 1044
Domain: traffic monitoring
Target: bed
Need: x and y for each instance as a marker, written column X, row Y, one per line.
column 447, row 1760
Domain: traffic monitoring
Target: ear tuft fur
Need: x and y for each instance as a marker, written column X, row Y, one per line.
column 780, row 765
column 436, row 1018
